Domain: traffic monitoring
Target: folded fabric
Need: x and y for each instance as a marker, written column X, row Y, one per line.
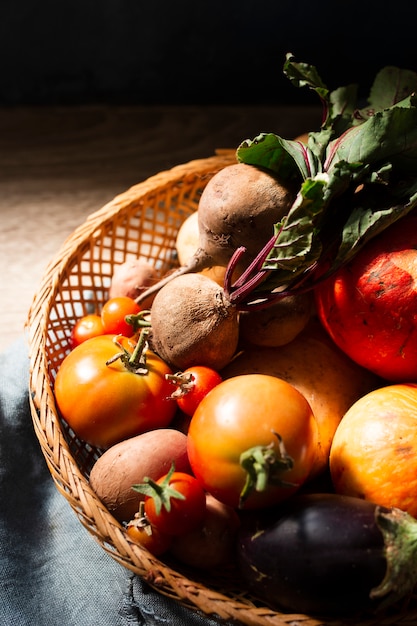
column 52, row 571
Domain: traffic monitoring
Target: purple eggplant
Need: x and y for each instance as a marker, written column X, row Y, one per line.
column 327, row 554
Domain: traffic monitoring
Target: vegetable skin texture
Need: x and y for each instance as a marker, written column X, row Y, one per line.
column 193, row 323
column 129, row 462
column 327, row 554
column 239, row 207
column 314, row 365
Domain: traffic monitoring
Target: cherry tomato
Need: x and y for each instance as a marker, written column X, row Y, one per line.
column 192, row 385
column 142, row 532
column 85, row 328
column 175, row 503
column 105, row 403
column 252, row 441
column 114, row 313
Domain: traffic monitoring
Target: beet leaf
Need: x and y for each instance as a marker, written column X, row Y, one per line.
column 357, row 175
column 286, row 158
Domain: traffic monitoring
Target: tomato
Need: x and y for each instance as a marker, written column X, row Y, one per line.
column 106, row 403
column 86, row 327
column 313, row 364
column 142, row 532
column 252, row 441
column 114, row 313
column 175, row 503
column 369, row 306
column 193, row 384
column 374, row 450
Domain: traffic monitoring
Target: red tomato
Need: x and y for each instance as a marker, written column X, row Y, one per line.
column 85, row 328
column 114, row 314
column 105, row 403
column 266, row 420
column 175, row 504
column 142, row 532
column 193, row 384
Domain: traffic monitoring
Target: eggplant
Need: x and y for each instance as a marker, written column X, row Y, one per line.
column 328, row 554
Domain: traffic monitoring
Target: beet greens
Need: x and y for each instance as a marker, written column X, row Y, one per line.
column 357, row 175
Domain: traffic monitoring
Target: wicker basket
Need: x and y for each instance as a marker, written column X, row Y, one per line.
column 143, row 221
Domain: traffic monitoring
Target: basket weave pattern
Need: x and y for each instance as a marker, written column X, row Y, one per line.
column 143, row 221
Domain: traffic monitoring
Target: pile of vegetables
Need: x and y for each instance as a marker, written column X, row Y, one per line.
column 232, row 400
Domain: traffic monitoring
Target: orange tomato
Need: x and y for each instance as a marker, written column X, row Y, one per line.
column 369, row 306
column 374, row 450
column 252, row 426
column 313, row 364
column 104, row 399
column 149, row 537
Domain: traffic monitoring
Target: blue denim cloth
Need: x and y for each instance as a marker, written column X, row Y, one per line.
column 52, row 572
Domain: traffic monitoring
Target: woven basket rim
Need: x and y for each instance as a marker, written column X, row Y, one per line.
column 69, row 479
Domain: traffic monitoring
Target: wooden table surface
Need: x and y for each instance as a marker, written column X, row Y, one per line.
column 58, row 165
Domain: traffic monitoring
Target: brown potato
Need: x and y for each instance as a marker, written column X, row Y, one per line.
column 277, row 324
column 131, row 278
column 187, row 241
column 130, row 461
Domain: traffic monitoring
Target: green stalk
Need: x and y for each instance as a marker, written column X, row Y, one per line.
column 264, row 466
column 399, row 530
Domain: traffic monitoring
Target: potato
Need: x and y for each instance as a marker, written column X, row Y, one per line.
column 313, row 364
column 187, row 244
column 131, row 278
column 187, row 241
column 277, row 324
column 130, row 461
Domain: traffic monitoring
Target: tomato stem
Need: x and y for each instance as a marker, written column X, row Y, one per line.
column 161, row 493
column 139, row 320
column 264, row 466
column 137, row 360
column 185, row 382
column 140, row 520
column 133, row 361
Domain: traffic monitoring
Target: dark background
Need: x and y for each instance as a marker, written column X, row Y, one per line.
column 218, row 52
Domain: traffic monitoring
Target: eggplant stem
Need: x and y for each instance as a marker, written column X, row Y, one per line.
column 399, row 530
